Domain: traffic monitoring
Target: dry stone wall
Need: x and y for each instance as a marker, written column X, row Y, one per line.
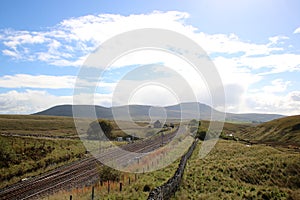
column 169, row 188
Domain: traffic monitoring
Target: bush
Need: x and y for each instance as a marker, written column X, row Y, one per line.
column 201, row 135
column 99, row 130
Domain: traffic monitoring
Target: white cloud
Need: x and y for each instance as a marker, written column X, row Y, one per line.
column 30, row 101
column 278, row 85
column 272, row 98
column 271, row 103
column 37, row 81
column 14, row 39
column 67, row 43
column 231, row 44
column 73, row 39
column 270, row 64
column 295, row 96
column 277, row 39
column 297, row 30
column 10, row 53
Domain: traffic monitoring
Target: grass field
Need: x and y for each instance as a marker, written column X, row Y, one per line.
column 31, row 145
column 26, row 157
column 237, row 171
column 231, row 171
column 34, row 125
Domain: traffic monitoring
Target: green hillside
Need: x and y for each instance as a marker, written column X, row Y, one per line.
column 284, row 131
column 35, row 125
column 233, row 170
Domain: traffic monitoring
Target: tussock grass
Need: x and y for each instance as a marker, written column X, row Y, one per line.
column 26, row 157
column 284, row 131
column 237, row 171
column 37, row 125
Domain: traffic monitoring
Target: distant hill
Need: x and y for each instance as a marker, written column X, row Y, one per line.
column 141, row 112
column 283, row 131
column 67, row 111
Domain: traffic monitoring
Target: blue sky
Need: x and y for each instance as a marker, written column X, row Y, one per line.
column 254, row 44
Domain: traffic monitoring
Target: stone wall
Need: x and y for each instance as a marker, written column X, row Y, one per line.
column 169, row 188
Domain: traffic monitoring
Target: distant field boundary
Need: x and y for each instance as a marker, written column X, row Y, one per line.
column 169, row 188
column 7, row 134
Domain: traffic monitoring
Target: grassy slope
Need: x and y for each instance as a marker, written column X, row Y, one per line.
column 230, row 127
column 236, row 171
column 25, row 157
column 37, row 125
column 284, row 131
column 29, row 156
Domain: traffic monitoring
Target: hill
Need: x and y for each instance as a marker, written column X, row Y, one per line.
column 284, row 131
column 141, row 112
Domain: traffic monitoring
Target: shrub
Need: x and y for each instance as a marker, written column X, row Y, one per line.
column 201, row 135
column 99, row 129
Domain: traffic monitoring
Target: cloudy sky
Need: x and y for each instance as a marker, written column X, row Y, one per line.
column 255, row 45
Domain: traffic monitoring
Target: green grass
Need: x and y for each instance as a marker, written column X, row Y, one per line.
column 37, row 125
column 236, row 171
column 284, row 131
column 231, row 171
column 30, row 145
column 25, row 157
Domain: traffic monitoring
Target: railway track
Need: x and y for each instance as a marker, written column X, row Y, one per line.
column 77, row 174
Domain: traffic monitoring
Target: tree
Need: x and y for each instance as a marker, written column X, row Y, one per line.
column 201, row 135
column 99, row 129
column 172, row 125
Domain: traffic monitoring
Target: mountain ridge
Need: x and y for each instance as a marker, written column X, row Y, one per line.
column 141, row 112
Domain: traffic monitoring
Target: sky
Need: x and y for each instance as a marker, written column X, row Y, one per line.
column 254, row 45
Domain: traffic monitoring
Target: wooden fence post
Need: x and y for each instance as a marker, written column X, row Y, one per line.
column 93, row 190
column 108, row 187
column 120, row 186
